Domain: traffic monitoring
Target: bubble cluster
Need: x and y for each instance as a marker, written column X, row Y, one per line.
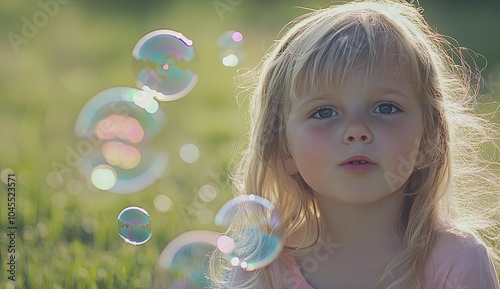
column 183, row 263
column 117, row 125
column 163, row 62
column 230, row 43
column 134, row 225
column 257, row 244
column 117, row 134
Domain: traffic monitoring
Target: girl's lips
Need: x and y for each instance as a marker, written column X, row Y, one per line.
column 357, row 167
column 358, row 163
column 358, row 158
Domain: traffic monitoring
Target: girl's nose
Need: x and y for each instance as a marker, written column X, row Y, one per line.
column 357, row 131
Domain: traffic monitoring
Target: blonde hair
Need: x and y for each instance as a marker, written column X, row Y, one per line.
column 453, row 185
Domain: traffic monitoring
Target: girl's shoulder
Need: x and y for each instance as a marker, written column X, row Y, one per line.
column 285, row 273
column 281, row 273
column 460, row 260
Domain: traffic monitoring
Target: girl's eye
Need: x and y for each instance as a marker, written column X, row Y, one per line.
column 324, row 112
column 386, row 108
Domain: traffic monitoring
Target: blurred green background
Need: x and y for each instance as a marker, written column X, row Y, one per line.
column 67, row 236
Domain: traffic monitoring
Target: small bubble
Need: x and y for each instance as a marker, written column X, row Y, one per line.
column 134, row 225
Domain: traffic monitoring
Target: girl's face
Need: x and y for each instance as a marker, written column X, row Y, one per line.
column 357, row 144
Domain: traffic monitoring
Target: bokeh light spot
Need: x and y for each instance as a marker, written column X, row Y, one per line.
column 207, row 193
column 235, row 261
column 225, row 244
column 230, row 44
column 189, row 153
column 237, row 36
column 4, row 175
column 162, row 203
column 103, row 177
column 230, row 60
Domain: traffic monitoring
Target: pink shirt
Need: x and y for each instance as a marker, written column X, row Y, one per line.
column 456, row 262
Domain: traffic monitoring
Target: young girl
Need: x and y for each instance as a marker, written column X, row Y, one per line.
column 364, row 137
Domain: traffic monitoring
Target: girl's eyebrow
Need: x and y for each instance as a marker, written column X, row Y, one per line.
column 377, row 91
column 309, row 99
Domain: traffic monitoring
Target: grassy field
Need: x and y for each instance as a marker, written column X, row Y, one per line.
column 66, row 234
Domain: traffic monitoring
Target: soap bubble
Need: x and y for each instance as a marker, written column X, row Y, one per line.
column 134, row 225
column 163, row 61
column 230, row 42
column 183, row 263
column 256, row 244
column 113, row 150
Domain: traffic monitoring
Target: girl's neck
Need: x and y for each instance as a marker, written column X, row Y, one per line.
column 362, row 227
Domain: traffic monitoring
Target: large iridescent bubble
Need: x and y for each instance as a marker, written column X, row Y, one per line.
column 183, row 263
column 163, row 63
column 117, row 134
column 256, row 243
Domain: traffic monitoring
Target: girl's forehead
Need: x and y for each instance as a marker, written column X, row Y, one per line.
column 384, row 75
